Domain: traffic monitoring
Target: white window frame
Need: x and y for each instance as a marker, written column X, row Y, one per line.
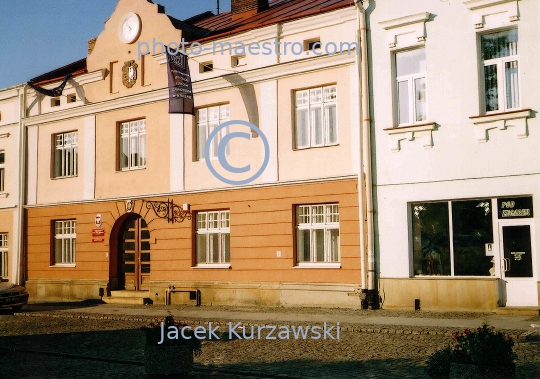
column 4, row 263
column 410, row 79
column 65, row 232
column 310, row 100
column 208, row 119
column 134, row 134
column 2, row 171
column 500, row 63
column 313, row 218
column 66, row 155
column 212, row 223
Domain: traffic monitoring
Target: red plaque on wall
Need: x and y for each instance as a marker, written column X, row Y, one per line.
column 98, row 232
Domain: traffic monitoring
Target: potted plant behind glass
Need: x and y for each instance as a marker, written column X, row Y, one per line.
column 479, row 354
column 169, row 348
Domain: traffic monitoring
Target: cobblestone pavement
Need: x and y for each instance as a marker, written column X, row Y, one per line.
column 41, row 345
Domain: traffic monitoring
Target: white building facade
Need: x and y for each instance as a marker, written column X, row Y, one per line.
column 456, row 168
column 11, row 216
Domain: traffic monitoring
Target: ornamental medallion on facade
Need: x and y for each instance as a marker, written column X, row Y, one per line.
column 129, row 73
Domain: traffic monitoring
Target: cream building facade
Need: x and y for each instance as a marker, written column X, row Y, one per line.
column 106, row 157
column 11, row 184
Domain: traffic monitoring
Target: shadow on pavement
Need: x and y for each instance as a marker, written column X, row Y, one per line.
column 118, row 353
column 122, row 345
column 61, row 306
column 395, row 368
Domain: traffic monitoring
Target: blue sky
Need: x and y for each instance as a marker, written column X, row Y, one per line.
column 37, row 36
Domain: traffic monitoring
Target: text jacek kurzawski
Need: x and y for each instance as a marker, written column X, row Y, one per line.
column 260, row 332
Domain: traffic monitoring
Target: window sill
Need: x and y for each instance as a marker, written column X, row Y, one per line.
column 501, row 121
column 213, row 265
column 318, row 265
column 410, row 133
column 64, row 177
column 4, row 194
column 131, row 169
column 314, row 147
column 63, row 265
column 448, row 277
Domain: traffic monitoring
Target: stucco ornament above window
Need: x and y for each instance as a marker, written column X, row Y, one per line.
column 406, row 31
column 492, row 13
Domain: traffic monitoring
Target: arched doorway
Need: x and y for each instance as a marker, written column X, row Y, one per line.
column 129, row 267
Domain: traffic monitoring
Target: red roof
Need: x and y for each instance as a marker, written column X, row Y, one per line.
column 279, row 11
column 75, row 68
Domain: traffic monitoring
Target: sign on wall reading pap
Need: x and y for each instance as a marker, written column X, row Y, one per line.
column 515, row 207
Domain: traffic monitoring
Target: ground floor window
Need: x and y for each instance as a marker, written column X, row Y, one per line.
column 449, row 238
column 457, row 237
column 317, row 233
column 3, row 255
column 64, row 242
column 213, row 237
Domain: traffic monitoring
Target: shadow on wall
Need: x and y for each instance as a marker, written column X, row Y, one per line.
column 248, row 96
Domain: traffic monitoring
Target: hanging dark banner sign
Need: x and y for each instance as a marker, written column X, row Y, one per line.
column 54, row 92
column 515, row 207
column 180, row 90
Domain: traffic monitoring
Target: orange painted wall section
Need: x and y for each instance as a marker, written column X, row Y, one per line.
column 261, row 223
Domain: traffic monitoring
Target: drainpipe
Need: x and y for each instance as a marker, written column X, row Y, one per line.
column 19, row 248
column 361, row 205
column 365, row 176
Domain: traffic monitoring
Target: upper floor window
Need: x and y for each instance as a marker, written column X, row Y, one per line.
column 411, row 86
column 312, row 44
column 64, row 242
column 500, row 62
column 316, row 117
column 207, row 120
column 66, row 154
column 238, row 60
column 206, row 67
column 133, row 144
column 71, row 98
column 2, row 170
column 4, row 255
column 213, row 237
column 317, row 233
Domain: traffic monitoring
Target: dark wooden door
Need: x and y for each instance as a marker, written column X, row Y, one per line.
column 135, row 255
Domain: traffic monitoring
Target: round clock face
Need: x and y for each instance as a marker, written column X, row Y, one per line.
column 129, row 27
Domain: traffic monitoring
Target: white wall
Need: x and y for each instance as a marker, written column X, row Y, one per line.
column 457, row 165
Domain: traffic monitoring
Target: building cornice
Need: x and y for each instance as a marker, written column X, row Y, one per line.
column 476, row 4
column 10, row 93
column 404, row 21
column 91, row 77
column 257, row 75
column 276, row 71
column 206, row 190
column 325, row 20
